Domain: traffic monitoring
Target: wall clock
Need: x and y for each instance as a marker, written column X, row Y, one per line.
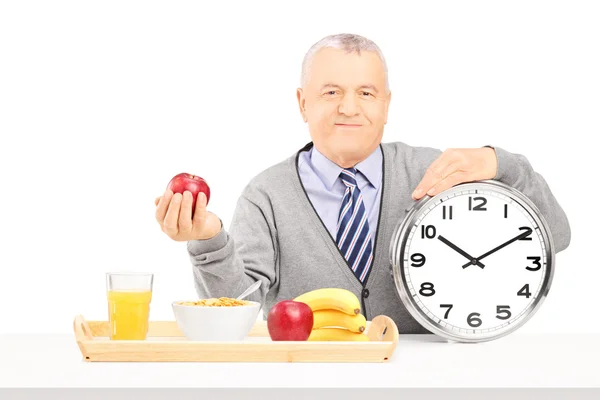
column 474, row 262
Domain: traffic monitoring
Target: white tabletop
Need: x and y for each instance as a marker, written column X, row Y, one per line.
column 425, row 361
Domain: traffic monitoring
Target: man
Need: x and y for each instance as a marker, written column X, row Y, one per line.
column 294, row 227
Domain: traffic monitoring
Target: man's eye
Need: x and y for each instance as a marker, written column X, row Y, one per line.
column 366, row 93
column 331, row 92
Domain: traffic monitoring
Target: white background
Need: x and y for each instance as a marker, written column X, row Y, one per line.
column 101, row 103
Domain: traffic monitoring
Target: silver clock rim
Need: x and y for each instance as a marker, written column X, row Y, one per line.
column 399, row 239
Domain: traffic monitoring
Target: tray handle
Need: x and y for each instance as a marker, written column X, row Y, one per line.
column 82, row 329
column 384, row 329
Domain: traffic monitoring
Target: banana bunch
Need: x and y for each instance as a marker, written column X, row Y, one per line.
column 337, row 315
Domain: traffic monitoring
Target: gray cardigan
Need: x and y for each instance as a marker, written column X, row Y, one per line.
column 276, row 235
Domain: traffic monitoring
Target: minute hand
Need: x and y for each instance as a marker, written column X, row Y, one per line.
column 520, row 236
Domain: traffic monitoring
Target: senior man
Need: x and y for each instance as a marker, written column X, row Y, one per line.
column 324, row 216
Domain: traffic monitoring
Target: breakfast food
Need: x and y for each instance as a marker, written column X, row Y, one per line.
column 334, row 318
column 331, row 298
column 128, row 313
column 215, row 302
column 337, row 315
column 192, row 183
column 290, row 320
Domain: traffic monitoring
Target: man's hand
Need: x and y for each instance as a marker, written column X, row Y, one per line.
column 174, row 215
column 456, row 166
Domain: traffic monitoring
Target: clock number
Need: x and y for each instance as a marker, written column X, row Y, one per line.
column 418, row 260
column 448, row 310
column 427, row 231
column 529, row 230
column 524, row 291
column 444, row 212
column 500, row 310
column 473, row 321
column 427, row 286
column 479, row 207
column 536, row 261
column 506, row 211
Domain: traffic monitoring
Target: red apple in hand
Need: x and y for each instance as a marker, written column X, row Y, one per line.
column 192, row 183
column 290, row 320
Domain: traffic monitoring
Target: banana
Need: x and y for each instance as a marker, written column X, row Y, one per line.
column 335, row 318
column 331, row 298
column 336, row 334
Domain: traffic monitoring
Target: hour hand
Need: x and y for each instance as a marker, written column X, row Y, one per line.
column 474, row 261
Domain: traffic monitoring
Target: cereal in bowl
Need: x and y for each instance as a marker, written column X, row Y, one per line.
column 216, row 302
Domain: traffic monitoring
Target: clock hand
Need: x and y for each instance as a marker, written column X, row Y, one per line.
column 473, row 261
column 520, row 236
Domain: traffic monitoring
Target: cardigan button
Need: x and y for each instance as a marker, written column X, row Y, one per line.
column 365, row 293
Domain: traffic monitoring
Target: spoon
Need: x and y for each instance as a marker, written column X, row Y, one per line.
column 250, row 290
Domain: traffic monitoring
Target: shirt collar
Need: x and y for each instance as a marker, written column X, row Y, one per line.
column 329, row 171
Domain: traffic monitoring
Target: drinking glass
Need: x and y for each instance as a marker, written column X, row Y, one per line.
column 129, row 296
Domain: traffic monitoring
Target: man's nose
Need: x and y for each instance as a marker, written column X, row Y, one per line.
column 349, row 105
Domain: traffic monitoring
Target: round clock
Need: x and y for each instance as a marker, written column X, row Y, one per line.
column 474, row 262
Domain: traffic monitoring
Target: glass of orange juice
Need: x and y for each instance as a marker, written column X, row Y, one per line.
column 129, row 296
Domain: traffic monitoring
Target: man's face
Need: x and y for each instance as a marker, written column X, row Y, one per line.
column 345, row 104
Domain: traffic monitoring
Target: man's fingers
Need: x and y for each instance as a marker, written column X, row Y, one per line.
column 437, row 171
column 449, row 170
column 185, row 214
column 162, row 205
column 444, row 173
column 200, row 212
column 431, row 177
column 172, row 217
column 450, row 181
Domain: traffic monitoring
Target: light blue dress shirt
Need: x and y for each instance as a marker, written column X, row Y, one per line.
column 321, row 179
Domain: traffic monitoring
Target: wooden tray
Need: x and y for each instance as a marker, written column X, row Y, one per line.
column 166, row 342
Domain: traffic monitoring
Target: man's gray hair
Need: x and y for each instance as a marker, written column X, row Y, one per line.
column 348, row 42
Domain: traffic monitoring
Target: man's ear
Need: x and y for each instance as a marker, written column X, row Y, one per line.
column 301, row 103
column 387, row 106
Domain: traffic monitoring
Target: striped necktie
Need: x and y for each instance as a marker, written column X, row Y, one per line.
column 353, row 234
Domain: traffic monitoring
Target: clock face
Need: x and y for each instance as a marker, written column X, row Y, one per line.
column 475, row 262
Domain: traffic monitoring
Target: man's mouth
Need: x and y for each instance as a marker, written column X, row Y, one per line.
column 349, row 125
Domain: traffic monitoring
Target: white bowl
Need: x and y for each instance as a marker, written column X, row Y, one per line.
column 205, row 323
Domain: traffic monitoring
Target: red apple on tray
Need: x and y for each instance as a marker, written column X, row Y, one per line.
column 192, row 183
column 290, row 320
